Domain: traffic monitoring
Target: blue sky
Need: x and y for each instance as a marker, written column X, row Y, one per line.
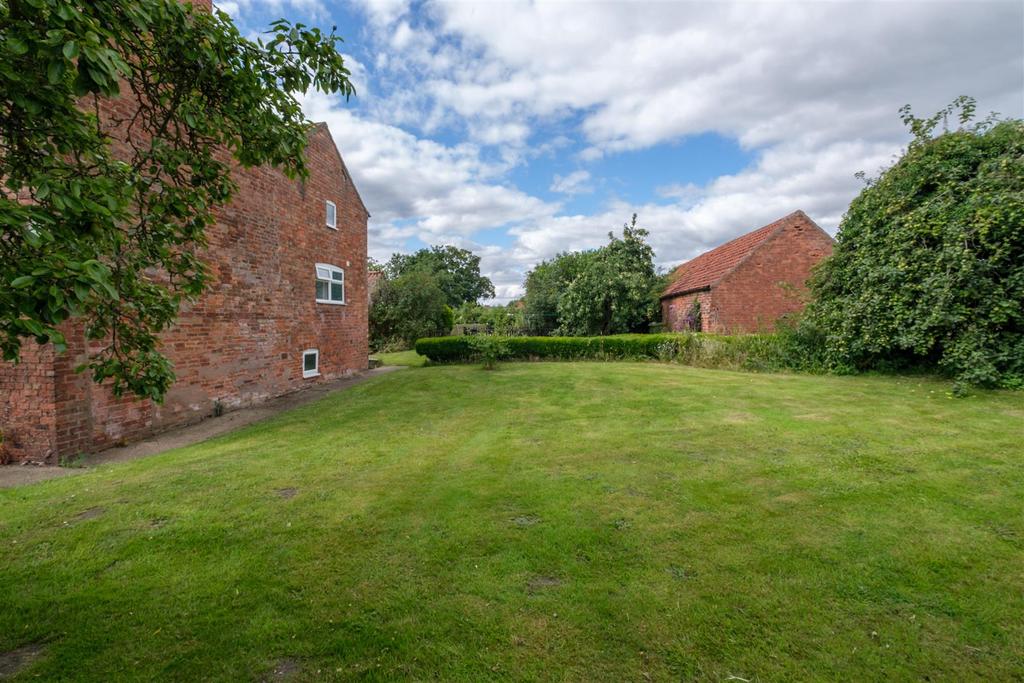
column 521, row 129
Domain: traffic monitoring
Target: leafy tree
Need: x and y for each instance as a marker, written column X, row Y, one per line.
column 546, row 284
column 112, row 237
column 457, row 272
column 613, row 293
column 504, row 320
column 470, row 312
column 928, row 267
column 406, row 308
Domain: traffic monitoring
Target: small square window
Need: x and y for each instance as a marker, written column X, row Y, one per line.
column 332, row 215
column 310, row 363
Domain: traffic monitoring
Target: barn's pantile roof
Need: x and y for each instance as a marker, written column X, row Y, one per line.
column 708, row 268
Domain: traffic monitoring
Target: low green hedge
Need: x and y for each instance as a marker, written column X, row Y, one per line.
column 752, row 351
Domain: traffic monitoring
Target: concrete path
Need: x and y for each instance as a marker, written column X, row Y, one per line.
column 17, row 475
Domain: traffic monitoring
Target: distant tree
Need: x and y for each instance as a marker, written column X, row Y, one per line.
column 503, row 320
column 469, row 312
column 613, row 293
column 113, row 239
column 457, row 272
column 406, row 308
column 928, row 267
column 546, row 284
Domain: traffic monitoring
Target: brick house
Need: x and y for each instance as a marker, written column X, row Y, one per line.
column 286, row 308
column 747, row 284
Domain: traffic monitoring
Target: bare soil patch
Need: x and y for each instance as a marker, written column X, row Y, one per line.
column 284, row 670
column 91, row 513
column 525, row 520
column 15, row 661
column 539, row 583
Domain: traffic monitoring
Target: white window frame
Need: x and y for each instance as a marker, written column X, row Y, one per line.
column 315, row 372
column 331, row 208
column 329, row 278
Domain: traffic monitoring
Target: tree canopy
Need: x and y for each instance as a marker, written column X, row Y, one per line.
column 615, row 291
column 113, row 238
column 608, row 290
column 406, row 308
column 457, row 272
column 545, row 285
column 928, row 267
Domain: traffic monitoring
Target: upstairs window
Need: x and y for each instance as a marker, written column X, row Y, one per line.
column 330, row 284
column 331, row 212
column 310, row 363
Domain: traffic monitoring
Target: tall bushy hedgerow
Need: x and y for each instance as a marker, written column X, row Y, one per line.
column 928, row 268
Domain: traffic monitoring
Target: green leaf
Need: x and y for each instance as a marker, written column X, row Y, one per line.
column 22, row 282
column 70, row 49
column 55, row 71
column 16, row 45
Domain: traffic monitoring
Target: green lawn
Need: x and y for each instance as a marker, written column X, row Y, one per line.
column 409, row 358
column 546, row 521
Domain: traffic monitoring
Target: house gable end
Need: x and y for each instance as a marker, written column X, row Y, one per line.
column 321, row 135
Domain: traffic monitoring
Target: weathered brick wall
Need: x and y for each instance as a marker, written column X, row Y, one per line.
column 771, row 282
column 675, row 309
column 242, row 342
column 27, row 418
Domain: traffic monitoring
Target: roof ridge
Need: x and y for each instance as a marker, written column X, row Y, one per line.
column 710, row 267
column 322, row 125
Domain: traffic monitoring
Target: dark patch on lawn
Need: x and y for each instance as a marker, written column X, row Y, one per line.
column 621, row 524
column 91, row 513
column 158, row 522
column 526, row 520
column 284, row 670
column 15, row 661
column 681, row 573
column 287, row 493
column 538, row 583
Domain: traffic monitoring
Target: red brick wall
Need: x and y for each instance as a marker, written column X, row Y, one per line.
column 768, row 284
column 771, row 282
column 27, row 418
column 242, row 342
column 675, row 309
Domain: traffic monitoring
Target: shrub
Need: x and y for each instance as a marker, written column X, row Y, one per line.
column 786, row 350
column 928, row 268
column 489, row 348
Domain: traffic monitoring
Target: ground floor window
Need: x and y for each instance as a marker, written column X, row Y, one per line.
column 310, row 363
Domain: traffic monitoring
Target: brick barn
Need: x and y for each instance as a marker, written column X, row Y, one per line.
column 747, row 284
column 286, row 308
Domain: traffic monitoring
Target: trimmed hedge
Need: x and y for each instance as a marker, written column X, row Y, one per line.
column 751, row 352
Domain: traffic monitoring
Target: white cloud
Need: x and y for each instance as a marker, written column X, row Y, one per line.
column 576, row 182
column 811, row 89
column 646, row 73
column 419, row 188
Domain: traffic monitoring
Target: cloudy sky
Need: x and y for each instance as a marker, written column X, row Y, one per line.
column 521, row 129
